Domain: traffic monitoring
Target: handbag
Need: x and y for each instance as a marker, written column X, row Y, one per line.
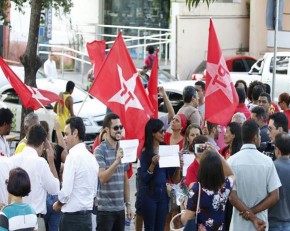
column 172, row 198
column 191, row 225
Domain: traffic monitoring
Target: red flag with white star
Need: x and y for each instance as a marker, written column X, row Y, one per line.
column 119, row 87
column 221, row 98
column 153, row 86
column 31, row 97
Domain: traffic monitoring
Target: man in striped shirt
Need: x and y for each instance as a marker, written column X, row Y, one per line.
column 113, row 193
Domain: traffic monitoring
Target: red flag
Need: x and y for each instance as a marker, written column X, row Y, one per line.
column 119, row 87
column 153, row 86
column 221, row 97
column 28, row 94
column 97, row 53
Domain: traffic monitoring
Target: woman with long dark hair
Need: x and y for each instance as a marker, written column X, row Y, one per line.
column 154, row 198
column 215, row 181
column 233, row 139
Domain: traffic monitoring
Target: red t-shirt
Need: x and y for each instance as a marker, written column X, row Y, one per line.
column 275, row 106
column 225, row 152
column 287, row 113
column 243, row 109
column 167, row 140
column 191, row 174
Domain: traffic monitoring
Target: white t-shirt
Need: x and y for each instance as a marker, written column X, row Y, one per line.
column 50, row 69
column 5, row 167
column 41, row 179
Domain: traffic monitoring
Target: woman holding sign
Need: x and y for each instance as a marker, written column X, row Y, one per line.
column 154, row 198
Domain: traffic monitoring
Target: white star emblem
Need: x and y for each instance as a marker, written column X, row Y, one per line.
column 126, row 94
column 36, row 94
column 220, row 79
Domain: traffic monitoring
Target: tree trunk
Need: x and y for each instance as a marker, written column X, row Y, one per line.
column 29, row 59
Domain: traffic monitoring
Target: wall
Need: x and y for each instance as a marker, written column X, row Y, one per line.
column 189, row 45
column 258, row 30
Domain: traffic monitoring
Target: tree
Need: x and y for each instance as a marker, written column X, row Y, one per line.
column 29, row 59
column 194, row 3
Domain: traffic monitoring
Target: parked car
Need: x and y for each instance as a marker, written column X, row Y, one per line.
column 262, row 71
column 163, row 77
column 234, row 64
column 93, row 111
column 174, row 91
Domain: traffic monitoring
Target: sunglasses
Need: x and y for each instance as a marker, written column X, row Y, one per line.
column 118, row 127
column 270, row 128
column 162, row 131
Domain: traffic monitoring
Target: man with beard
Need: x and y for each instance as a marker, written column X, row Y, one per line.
column 6, row 117
column 113, row 189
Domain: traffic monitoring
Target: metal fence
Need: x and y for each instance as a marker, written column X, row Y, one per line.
column 136, row 39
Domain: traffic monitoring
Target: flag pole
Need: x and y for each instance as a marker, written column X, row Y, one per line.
column 275, row 49
column 83, row 103
column 41, row 104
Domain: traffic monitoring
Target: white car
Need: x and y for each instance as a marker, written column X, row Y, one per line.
column 92, row 110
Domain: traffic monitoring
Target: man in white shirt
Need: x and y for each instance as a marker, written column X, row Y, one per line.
column 5, row 167
column 80, row 180
column 256, row 188
column 43, row 175
column 6, row 117
column 50, row 67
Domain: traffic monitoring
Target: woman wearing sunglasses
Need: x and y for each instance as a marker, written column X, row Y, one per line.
column 154, row 198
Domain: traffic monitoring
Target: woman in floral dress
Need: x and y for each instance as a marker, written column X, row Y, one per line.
column 216, row 180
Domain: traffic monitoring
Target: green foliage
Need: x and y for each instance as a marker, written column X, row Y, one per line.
column 194, row 3
column 56, row 4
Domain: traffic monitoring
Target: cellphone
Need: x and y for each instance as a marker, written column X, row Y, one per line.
column 199, row 148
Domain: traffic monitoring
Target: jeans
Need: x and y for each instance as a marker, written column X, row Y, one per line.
column 154, row 207
column 279, row 226
column 138, row 191
column 111, row 220
column 271, row 14
column 51, row 218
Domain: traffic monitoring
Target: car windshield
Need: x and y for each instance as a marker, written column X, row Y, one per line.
column 80, row 95
column 40, row 75
column 164, row 77
column 201, row 67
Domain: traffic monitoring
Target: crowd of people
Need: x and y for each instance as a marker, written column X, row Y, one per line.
column 236, row 181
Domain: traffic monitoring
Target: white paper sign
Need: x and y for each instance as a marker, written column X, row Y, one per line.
column 187, row 160
column 169, row 156
column 129, row 149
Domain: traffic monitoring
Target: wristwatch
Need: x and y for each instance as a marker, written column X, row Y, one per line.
column 128, row 203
